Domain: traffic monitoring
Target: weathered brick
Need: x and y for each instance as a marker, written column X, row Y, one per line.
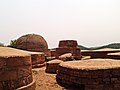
column 2, row 62
column 1, row 86
column 27, row 60
column 116, row 86
column 114, row 79
column 24, row 71
column 14, row 61
column 103, row 79
column 67, row 43
column 106, row 79
column 8, row 75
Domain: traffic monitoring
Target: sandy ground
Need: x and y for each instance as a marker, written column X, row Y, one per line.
column 45, row 81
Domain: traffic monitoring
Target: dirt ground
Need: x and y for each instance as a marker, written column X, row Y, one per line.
column 45, row 81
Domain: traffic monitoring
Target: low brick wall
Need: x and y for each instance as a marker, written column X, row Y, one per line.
column 97, row 53
column 53, row 53
column 67, row 43
column 38, row 59
column 61, row 51
column 114, row 55
column 105, row 76
column 15, row 72
column 52, row 66
column 15, row 69
column 76, row 53
column 67, row 46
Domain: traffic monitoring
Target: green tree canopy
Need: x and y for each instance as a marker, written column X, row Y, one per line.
column 12, row 44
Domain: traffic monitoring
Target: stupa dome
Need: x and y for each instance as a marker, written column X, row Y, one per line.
column 32, row 42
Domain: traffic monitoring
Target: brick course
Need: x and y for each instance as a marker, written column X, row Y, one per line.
column 15, row 70
column 67, row 46
column 98, row 53
column 92, row 79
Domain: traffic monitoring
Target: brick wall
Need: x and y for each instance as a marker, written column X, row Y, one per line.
column 60, row 51
column 37, row 59
column 53, row 53
column 67, row 46
column 97, row 54
column 104, row 79
column 15, row 72
column 114, row 55
column 67, row 43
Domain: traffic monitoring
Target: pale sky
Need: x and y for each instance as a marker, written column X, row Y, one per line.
column 90, row 22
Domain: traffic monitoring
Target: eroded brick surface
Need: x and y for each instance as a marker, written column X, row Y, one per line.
column 67, row 46
column 15, row 72
column 96, row 79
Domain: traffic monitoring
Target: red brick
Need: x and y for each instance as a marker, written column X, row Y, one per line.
column 27, row 60
column 2, row 62
column 24, row 71
column 8, row 75
column 67, row 43
column 1, row 86
column 14, row 61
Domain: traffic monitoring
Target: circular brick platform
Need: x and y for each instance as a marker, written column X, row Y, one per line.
column 38, row 59
column 52, row 66
column 15, row 69
column 90, row 74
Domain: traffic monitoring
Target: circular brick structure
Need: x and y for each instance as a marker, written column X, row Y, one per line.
column 32, row 42
column 90, row 74
column 38, row 59
column 52, row 66
column 15, row 69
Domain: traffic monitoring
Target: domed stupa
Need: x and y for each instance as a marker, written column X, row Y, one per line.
column 32, row 42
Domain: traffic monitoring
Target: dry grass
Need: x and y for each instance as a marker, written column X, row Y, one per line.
column 45, row 81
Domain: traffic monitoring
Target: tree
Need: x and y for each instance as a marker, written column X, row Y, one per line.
column 12, row 44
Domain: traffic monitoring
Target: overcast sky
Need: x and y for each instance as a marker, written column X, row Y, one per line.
column 90, row 22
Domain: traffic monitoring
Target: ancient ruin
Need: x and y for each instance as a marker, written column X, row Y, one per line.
column 52, row 66
column 101, row 53
column 67, row 46
column 15, row 70
column 32, row 42
column 37, row 58
column 66, row 57
column 96, row 74
column 86, row 74
column 114, row 55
